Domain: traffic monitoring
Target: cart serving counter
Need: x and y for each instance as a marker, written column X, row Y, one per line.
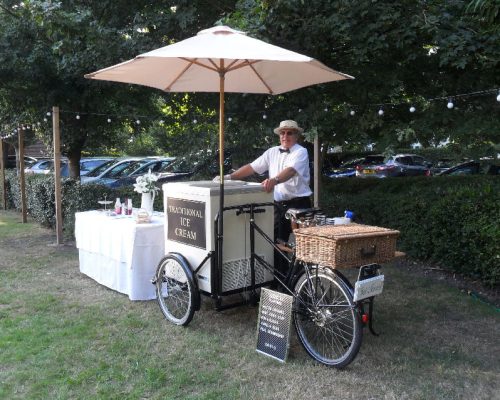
column 191, row 212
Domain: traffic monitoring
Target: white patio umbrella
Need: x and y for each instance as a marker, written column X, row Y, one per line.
column 221, row 59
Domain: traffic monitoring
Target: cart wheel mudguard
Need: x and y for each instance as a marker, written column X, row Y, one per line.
column 189, row 272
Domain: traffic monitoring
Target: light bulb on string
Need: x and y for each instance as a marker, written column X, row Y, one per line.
column 381, row 112
column 195, row 121
column 450, row 104
column 77, row 116
column 264, row 116
column 109, row 120
column 326, row 109
column 300, row 110
column 48, row 114
column 498, row 96
column 412, row 109
column 352, row 113
column 161, row 122
column 229, row 119
column 138, row 122
column 45, row 120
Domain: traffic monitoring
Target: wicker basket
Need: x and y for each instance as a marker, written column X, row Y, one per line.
column 345, row 246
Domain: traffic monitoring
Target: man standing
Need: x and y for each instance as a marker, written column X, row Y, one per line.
column 288, row 166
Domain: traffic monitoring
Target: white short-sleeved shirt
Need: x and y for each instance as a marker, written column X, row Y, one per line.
column 275, row 161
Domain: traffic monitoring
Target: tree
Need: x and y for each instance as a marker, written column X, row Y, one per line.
column 47, row 47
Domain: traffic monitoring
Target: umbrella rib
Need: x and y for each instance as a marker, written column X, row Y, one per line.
column 260, row 77
column 195, row 61
column 167, row 89
column 247, row 63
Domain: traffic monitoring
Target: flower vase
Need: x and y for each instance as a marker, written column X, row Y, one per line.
column 147, row 200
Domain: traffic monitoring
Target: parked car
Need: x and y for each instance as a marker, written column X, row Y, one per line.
column 86, row 165
column 43, row 167
column 471, row 168
column 108, row 169
column 120, row 170
column 11, row 161
column 441, row 165
column 155, row 166
column 348, row 168
column 397, row 165
column 185, row 167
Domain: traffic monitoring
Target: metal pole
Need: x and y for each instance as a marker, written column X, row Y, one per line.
column 57, row 172
column 22, row 182
column 2, row 167
column 316, row 171
column 220, row 238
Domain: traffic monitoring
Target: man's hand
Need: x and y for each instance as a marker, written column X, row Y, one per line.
column 226, row 178
column 269, row 184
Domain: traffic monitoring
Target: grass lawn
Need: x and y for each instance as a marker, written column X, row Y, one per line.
column 64, row 336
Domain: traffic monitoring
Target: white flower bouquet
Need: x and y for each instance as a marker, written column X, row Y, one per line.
column 146, row 183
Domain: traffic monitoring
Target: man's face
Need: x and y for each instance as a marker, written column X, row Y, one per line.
column 288, row 137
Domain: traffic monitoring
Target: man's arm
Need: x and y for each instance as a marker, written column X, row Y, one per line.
column 283, row 176
column 242, row 172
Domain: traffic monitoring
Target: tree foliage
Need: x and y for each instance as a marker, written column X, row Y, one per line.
column 410, row 52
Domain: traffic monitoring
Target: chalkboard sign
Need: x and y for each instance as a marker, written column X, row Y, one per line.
column 186, row 222
column 273, row 326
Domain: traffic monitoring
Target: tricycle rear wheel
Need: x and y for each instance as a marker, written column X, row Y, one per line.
column 326, row 319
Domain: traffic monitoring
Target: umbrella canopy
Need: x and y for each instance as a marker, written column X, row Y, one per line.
column 247, row 64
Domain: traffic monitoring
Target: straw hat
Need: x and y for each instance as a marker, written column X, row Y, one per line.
column 288, row 125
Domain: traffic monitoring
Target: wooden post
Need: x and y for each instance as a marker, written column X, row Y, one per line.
column 57, row 173
column 2, row 168
column 316, row 171
column 22, row 182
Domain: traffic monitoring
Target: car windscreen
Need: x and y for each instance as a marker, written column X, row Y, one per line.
column 132, row 168
column 101, row 168
column 179, row 166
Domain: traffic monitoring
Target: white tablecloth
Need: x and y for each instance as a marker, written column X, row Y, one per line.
column 119, row 253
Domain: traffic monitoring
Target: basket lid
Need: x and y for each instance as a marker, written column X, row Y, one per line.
column 345, row 231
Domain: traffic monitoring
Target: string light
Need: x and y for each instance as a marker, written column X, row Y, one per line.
column 381, row 112
column 77, row 116
column 450, row 104
column 352, row 113
column 48, row 114
column 195, row 121
column 109, row 120
column 265, row 116
column 138, row 122
column 412, row 109
column 229, row 119
column 498, row 96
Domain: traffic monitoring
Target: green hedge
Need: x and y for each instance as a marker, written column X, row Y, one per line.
column 451, row 221
column 40, row 198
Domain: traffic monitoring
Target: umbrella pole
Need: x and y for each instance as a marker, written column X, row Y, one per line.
column 221, row 171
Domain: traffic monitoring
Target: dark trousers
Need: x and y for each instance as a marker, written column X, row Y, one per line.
column 283, row 227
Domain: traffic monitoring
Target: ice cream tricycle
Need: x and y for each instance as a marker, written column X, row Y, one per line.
column 328, row 312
